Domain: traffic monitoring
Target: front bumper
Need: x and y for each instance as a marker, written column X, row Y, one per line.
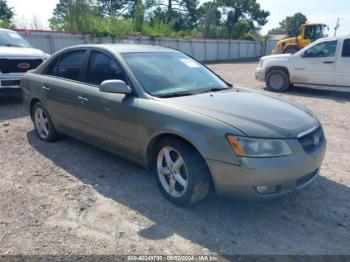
column 10, row 85
column 287, row 174
column 260, row 74
column 10, row 81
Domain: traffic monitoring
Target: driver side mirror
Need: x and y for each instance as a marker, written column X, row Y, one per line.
column 115, row 86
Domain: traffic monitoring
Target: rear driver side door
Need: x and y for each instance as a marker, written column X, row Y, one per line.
column 61, row 83
column 342, row 73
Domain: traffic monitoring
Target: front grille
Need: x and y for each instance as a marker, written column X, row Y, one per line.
column 10, row 82
column 312, row 141
column 305, row 179
column 18, row 65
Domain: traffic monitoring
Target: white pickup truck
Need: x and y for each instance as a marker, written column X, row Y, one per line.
column 325, row 64
column 17, row 56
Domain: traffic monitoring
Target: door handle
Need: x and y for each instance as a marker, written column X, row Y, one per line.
column 45, row 88
column 83, row 99
column 328, row 62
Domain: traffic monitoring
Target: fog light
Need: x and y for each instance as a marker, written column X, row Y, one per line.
column 265, row 189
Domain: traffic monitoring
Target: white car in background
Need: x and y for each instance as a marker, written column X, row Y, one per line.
column 325, row 64
column 17, row 56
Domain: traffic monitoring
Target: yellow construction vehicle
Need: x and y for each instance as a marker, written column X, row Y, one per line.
column 310, row 32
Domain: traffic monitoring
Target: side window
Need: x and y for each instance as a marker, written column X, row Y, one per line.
column 346, row 48
column 324, row 49
column 70, row 64
column 51, row 68
column 103, row 67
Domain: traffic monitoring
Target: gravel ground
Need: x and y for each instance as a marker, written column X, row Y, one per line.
column 69, row 198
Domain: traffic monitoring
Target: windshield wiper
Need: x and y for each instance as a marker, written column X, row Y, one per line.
column 212, row 89
column 195, row 92
column 176, row 94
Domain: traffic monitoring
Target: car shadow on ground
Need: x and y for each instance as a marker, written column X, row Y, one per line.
column 9, row 108
column 337, row 96
column 296, row 224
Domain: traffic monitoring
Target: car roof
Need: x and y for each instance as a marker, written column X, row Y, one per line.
column 126, row 48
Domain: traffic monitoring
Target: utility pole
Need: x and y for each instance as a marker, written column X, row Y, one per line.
column 336, row 27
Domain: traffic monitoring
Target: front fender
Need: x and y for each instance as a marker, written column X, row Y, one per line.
column 207, row 135
column 284, row 63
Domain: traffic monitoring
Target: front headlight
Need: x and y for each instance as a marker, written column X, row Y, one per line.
column 255, row 147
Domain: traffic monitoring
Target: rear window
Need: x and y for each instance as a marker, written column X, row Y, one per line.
column 70, row 64
column 346, row 48
column 50, row 69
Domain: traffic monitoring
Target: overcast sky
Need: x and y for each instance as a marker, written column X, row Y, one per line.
column 325, row 11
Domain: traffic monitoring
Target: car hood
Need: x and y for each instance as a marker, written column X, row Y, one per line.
column 279, row 56
column 253, row 113
column 20, row 52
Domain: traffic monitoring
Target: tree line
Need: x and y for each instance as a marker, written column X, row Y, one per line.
column 161, row 18
column 230, row 19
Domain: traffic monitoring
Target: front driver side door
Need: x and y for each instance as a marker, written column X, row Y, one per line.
column 108, row 119
column 316, row 65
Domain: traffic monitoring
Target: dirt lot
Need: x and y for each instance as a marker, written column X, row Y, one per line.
column 70, row 198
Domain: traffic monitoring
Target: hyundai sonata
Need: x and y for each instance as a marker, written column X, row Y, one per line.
column 165, row 111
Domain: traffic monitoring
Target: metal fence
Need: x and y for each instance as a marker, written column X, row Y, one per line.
column 202, row 49
column 270, row 45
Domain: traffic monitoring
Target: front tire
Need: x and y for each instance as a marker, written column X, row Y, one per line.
column 277, row 80
column 42, row 122
column 181, row 173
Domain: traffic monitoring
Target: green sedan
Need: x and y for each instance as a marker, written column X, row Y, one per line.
column 165, row 111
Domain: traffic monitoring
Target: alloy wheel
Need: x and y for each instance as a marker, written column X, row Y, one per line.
column 41, row 123
column 172, row 172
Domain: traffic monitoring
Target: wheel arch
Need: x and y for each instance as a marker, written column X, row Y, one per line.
column 151, row 146
column 151, row 154
column 32, row 102
column 284, row 68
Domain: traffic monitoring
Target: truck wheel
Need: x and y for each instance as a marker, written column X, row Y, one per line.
column 181, row 173
column 277, row 80
column 290, row 50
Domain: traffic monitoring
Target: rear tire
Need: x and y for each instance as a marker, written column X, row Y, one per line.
column 43, row 124
column 277, row 80
column 182, row 174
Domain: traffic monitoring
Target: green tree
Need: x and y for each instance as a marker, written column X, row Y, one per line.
column 138, row 13
column 210, row 18
column 191, row 14
column 6, row 13
column 242, row 16
column 179, row 14
column 73, row 15
column 114, row 8
column 291, row 25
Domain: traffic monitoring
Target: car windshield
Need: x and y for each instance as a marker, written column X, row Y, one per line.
column 166, row 74
column 11, row 38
